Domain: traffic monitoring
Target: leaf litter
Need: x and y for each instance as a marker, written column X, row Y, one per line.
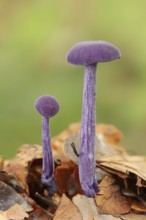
column 122, row 180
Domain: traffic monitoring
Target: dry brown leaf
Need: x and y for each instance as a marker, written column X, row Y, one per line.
column 9, row 197
column 109, row 133
column 67, row 210
column 18, row 166
column 26, row 153
column 108, row 217
column 102, row 148
column 86, row 207
column 11, row 181
column 16, row 212
column 133, row 217
column 138, row 207
column 110, row 197
column 125, row 164
column 67, row 178
column 3, row 215
column 40, row 214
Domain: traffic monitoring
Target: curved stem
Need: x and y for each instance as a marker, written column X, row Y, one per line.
column 48, row 163
column 87, row 137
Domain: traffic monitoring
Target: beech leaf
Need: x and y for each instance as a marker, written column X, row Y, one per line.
column 67, row 210
column 110, row 197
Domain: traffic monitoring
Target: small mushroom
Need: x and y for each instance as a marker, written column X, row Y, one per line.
column 47, row 106
column 89, row 54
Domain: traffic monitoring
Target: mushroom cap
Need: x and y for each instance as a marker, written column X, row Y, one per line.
column 47, row 106
column 91, row 52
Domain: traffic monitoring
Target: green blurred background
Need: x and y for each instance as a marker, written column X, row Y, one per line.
column 35, row 36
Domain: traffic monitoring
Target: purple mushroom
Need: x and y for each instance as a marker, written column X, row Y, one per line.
column 47, row 106
column 89, row 54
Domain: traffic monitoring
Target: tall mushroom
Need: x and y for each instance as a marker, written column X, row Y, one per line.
column 47, row 106
column 89, row 54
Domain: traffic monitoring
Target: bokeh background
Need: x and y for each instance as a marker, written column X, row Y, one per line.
column 35, row 37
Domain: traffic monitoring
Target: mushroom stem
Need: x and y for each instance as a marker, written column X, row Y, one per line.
column 48, row 163
column 87, row 137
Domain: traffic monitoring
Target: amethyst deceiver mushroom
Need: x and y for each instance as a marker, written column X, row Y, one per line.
column 89, row 54
column 47, row 106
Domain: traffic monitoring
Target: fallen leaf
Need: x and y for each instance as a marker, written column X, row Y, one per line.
column 67, row 210
column 40, row 214
column 110, row 197
column 133, row 217
column 126, row 164
column 18, row 166
column 16, row 212
column 138, row 207
column 11, row 181
column 72, row 145
column 3, row 215
column 108, row 134
column 87, row 207
column 9, row 197
column 63, row 178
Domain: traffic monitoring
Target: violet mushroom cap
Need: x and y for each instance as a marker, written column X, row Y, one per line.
column 47, row 106
column 89, row 54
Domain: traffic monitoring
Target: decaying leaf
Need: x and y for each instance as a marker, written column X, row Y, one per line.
column 111, row 134
column 122, row 181
column 86, row 206
column 67, row 210
column 67, row 179
column 107, row 134
column 138, row 207
column 9, row 197
column 133, row 217
column 110, row 197
column 125, row 164
column 88, row 209
column 72, row 145
column 18, row 166
column 40, row 214
column 11, row 181
column 3, row 215
column 25, row 154
column 16, row 212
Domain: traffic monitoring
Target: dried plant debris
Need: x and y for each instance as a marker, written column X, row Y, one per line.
column 11, row 181
column 67, row 178
column 133, row 217
column 67, row 210
column 125, row 164
column 18, row 166
column 106, row 134
column 110, row 197
column 88, row 209
column 72, row 147
column 16, row 212
column 9, row 197
column 122, row 181
column 86, row 206
column 25, row 154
